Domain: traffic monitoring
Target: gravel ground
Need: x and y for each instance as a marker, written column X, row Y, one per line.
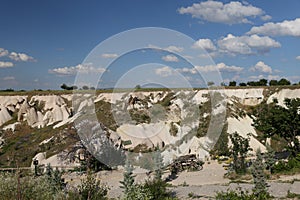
column 278, row 190
column 204, row 184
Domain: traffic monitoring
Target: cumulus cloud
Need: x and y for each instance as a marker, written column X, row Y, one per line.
column 266, row 17
column 298, row 57
column 233, row 12
column 3, row 52
column 246, row 45
column 16, row 56
column 164, row 71
column 20, row 57
column 261, row 67
column 170, row 58
column 6, row 64
column 222, row 67
column 9, row 78
column 174, row 49
column 109, row 55
column 72, row 70
column 287, row 27
column 206, row 44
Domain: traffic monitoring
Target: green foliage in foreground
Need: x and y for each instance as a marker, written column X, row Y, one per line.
column 240, row 195
column 289, row 167
column 14, row 186
column 259, row 177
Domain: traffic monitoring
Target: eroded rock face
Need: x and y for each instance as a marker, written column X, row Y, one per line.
column 4, row 115
column 38, row 111
column 162, row 111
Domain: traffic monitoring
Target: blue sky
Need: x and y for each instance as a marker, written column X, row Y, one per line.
column 43, row 43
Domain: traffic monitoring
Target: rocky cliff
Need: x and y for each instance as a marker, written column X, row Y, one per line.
column 181, row 122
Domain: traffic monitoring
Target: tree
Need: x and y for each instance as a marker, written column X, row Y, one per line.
column 263, row 82
column 85, row 87
column 269, row 158
column 92, row 189
column 243, row 84
column 273, row 82
column 210, row 83
column 55, row 178
column 273, row 120
column 158, row 164
column 64, row 86
column 284, row 81
column 137, row 87
column 239, row 150
column 232, row 83
column 259, row 177
column 252, row 83
column 128, row 179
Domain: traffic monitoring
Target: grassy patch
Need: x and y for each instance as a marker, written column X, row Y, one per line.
column 24, row 143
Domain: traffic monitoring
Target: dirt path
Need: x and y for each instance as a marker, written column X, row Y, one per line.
column 204, row 183
column 212, row 173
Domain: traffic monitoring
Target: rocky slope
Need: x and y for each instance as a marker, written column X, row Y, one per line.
column 180, row 122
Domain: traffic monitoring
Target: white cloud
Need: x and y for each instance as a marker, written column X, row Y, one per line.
column 266, row 17
column 109, row 55
column 3, row 52
column 20, row 57
column 261, row 67
column 82, row 68
column 174, row 49
column 6, row 64
column 9, row 78
column 233, row 12
column 206, row 44
column 298, row 57
column 211, row 68
column 170, row 58
column 246, row 45
column 164, row 71
column 287, row 27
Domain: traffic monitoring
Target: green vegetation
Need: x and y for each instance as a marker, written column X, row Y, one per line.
column 239, row 150
column 152, row 189
column 292, row 166
column 221, row 147
column 238, row 195
column 139, row 116
column 259, row 177
column 104, row 114
column 273, row 120
column 173, row 129
column 24, row 143
column 91, row 189
column 49, row 187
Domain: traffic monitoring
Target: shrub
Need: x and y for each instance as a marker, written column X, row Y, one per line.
column 239, row 152
column 92, row 189
column 259, row 177
column 239, row 195
column 16, row 187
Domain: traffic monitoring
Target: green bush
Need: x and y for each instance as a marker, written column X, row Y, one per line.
column 92, row 189
column 293, row 164
column 12, row 186
column 157, row 189
column 240, row 195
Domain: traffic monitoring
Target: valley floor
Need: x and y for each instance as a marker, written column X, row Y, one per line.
column 200, row 184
